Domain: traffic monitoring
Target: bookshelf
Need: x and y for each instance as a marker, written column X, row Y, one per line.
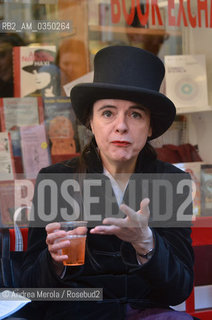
column 131, row 30
column 193, row 109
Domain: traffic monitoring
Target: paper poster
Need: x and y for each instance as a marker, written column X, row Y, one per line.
column 34, row 149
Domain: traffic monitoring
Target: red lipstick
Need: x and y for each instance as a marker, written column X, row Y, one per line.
column 121, row 143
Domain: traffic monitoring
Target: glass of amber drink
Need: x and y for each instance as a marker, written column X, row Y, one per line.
column 76, row 234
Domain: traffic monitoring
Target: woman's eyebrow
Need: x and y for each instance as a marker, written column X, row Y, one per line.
column 107, row 106
column 138, row 107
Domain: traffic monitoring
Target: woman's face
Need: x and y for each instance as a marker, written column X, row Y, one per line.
column 42, row 79
column 121, row 129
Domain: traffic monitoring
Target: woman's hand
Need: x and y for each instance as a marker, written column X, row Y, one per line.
column 133, row 228
column 54, row 234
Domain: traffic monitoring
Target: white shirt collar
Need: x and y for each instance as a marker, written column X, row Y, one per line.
column 116, row 188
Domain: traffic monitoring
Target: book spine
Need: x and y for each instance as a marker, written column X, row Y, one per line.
column 2, row 117
column 40, row 110
column 11, row 156
column 16, row 71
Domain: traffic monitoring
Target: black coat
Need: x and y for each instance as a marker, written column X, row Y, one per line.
column 111, row 263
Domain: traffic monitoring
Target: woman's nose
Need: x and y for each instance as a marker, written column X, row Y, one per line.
column 121, row 124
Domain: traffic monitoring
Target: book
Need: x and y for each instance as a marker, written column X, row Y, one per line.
column 10, row 302
column 61, row 126
column 206, row 189
column 7, row 168
column 186, row 82
column 18, row 112
column 193, row 168
column 35, row 71
column 34, row 149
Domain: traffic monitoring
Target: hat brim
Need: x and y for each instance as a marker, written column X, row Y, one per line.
column 31, row 68
column 162, row 109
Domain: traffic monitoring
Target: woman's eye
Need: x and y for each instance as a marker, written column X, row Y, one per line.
column 136, row 115
column 107, row 113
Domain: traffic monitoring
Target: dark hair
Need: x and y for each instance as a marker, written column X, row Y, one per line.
column 54, row 72
column 90, row 147
column 12, row 38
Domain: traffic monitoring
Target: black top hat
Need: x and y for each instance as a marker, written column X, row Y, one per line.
column 42, row 57
column 127, row 73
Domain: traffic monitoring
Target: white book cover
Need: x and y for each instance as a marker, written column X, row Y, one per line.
column 186, row 81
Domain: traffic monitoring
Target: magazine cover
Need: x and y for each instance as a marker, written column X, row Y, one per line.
column 34, row 149
column 193, row 168
column 186, row 81
column 19, row 112
column 6, row 157
column 61, row 126
column 206, row 189
column 35, row 71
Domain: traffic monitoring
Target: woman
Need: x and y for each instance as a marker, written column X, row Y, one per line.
column 47, row 81
column 142, row 269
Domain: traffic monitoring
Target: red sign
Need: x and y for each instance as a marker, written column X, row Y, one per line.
column 182, row 8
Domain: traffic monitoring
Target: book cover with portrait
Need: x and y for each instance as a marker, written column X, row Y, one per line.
column 61, row 126
column 35, row 71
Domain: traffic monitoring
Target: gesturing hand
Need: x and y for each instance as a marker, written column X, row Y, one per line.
column 53, row 234
column 133, row 228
